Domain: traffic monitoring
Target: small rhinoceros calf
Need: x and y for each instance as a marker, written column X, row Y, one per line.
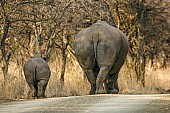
column 101, row 51
column 37, row 74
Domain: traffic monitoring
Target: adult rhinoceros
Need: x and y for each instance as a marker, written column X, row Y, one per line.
column 37, row 74
column 101, row 51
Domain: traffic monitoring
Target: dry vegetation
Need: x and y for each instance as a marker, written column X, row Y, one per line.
column 157, row 81
column 48, row 28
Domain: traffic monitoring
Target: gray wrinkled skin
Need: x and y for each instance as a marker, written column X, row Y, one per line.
column 101, row 51
column 37, row 74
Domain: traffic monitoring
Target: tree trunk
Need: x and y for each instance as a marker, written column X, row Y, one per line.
column 118, row 15
column 37, row 45
column 63, row 68
column 5, row 57
column 141, row 52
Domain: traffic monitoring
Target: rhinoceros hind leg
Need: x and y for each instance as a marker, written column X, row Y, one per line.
column 33, row 90
column 111, row 84
column 101, row 78
column 113, row 91
column 115, row 82
column 92, row 79
column 41, row 89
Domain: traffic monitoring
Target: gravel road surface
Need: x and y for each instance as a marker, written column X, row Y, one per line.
column 159, row 103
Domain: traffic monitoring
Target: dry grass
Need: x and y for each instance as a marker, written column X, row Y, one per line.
column 156, row 81
column 16, row 87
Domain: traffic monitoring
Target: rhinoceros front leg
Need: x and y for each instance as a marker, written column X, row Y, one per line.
column 111, row 84
column 101, row 78
column 41, row 89
column 92, row 79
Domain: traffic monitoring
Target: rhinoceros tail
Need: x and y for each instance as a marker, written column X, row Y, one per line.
column 95, row 39
column 34, row 73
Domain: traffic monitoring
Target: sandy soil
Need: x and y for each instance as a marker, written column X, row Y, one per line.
column 91, row 104
column 161, row 105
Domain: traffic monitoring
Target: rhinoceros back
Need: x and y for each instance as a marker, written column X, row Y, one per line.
column 107, row 44
column 36, row 69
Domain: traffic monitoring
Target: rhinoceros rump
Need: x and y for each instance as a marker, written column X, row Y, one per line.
column 101, row 51
column 37, row 74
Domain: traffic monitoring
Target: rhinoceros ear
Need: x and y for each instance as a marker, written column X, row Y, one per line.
column 45, row 58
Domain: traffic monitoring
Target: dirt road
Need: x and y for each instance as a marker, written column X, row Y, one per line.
column 92, row 104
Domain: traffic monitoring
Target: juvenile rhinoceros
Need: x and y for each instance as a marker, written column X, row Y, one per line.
column 101, row 51
column 37, row 74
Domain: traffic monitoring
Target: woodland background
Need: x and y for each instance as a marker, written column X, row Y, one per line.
column 48, row 28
